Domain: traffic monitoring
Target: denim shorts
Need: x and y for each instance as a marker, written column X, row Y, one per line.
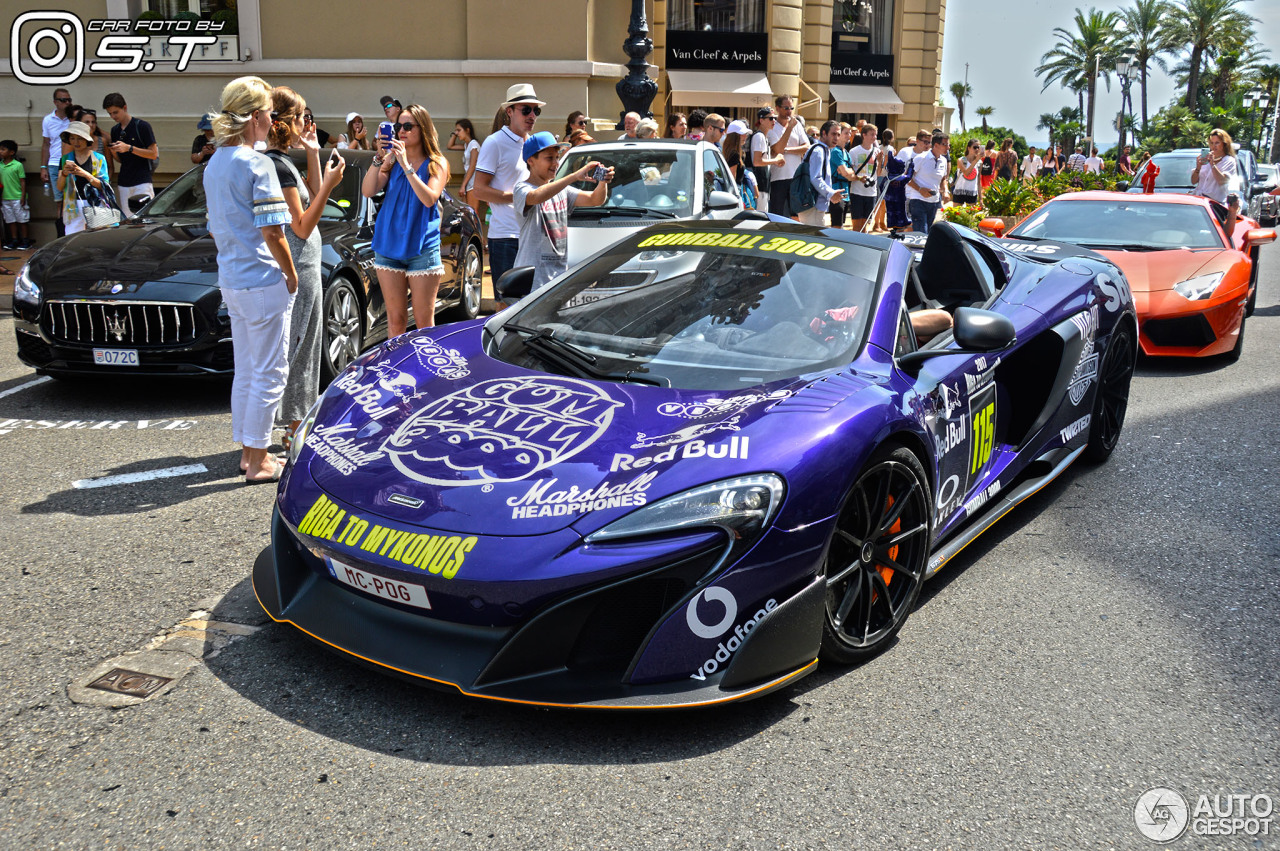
column 426, row 263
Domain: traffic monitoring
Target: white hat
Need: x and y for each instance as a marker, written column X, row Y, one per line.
column 522, row 93
column 352, row 116
column 77, row 128
column 738, row 126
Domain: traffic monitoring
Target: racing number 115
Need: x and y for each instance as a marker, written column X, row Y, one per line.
column 983, row 437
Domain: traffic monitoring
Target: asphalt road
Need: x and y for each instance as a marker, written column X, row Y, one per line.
column 1119, row 631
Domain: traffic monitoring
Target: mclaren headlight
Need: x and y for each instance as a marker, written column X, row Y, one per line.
column 1199, row 288
column 24, row 288
column 743, row 507
column 303, row 429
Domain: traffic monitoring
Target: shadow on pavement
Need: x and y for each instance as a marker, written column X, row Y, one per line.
column 222, row 475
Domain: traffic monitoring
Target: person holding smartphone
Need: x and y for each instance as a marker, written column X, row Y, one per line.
column 542, row 205
column 247, row 213
column 406, row 239
column 1215, row 167
column 306, row 200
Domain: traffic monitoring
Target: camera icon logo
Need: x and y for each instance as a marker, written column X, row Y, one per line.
column 45, row 40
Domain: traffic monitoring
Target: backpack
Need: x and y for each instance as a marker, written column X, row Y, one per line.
column 1006, row 171
column 988, row 168
column 803, row 195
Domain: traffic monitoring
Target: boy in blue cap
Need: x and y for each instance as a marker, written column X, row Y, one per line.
column 542, row 206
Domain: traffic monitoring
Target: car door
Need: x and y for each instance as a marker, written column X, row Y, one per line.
column 716, row 177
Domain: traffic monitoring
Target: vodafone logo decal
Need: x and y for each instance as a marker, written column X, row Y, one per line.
column 717, row 595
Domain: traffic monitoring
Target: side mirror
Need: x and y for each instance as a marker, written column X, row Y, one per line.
column 991, row 227
column 515, row 283
column 982, row 330
column 720, row 200
column 1259, row 236
column 976, row 331
column 1122, row 185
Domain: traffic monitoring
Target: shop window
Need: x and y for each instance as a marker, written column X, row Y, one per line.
column 743, row 16
column 209, row 10
column 862, row 26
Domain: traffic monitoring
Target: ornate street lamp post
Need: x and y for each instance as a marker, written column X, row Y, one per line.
column 636, row 90
column 1126, row 70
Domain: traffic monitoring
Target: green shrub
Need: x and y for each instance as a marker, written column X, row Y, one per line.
column 1010, row 198
column 968, row 215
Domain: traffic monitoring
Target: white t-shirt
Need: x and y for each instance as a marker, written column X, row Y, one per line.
column 857, row 156
column 969, row 186
column 1093, row 165
column 544, row 231
column 500, row 156
column 473, row 145
column 1208, row 186
column 928, row 174
column 1031, row 165
column 51, row 128
column 759, row 143
column 906, row 154
column 791, row 162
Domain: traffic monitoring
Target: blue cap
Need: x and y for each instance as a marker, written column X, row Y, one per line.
column 204, row 123
column 539, row 141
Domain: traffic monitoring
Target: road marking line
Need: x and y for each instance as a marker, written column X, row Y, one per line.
column 41, row 380
column 131, row 478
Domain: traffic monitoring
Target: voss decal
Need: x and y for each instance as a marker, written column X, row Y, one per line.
column 1087, row 368
column 683, row 435
column 502, row 430
column 438, row 360
column 717, row 407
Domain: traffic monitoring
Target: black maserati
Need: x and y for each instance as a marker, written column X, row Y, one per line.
column 142, row 298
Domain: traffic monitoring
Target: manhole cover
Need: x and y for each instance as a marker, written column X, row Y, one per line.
column 132, row 683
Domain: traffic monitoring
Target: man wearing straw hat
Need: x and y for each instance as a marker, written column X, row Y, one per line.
column 499, row 167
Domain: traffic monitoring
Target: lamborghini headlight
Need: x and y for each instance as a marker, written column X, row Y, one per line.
column 743, row 507
column 1199, row 288
column 24, row 288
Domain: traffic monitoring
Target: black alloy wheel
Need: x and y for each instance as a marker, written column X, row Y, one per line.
column 875, row 564
column 1111, row 399
column 343, row 332
column 470, row 282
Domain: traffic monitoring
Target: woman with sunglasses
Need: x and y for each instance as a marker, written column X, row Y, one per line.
column 306, row 200
column 247, row 217
column 406, row 239
column 577, row 121
column 759, row 157
column 965, row 190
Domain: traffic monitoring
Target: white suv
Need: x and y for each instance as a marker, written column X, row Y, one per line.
column 654, row 180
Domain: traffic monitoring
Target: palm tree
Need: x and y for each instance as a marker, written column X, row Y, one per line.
column 1145, row 30
column 1200, row 28
column 985, row 112
column 1082, row 56
column 960, row 91
column 1048, row 122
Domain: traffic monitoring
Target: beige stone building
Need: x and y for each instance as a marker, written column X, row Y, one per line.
column 878, row 59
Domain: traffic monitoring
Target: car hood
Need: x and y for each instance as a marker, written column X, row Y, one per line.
column 587, row 236
column 179, row 251
column 430, row 431
column 1153, row 271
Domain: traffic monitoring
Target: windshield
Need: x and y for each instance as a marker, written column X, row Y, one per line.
column 762, row 308
column 185, row 196
column 650, row 180
column 1177, row 171
column 1102, row 224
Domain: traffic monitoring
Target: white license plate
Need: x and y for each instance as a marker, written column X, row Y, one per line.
column 379, row 586
column 116, row 357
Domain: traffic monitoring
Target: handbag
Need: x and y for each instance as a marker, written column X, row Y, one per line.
column 101, row 211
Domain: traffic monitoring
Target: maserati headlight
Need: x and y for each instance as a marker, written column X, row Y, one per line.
column 25, row 289
column 1199, row 288
column 742, row 507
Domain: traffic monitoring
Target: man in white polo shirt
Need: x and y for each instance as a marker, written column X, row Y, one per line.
column 924, row 190
column 789, row 139
column 499, row 167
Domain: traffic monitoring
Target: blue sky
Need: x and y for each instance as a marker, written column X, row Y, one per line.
column 1003, row 42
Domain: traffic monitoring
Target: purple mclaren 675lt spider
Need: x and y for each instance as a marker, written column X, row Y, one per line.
column 702, row 460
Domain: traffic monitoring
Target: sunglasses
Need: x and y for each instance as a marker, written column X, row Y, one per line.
column 63, row 100
column 405, row 125
column 581, row 122
column 536, row 110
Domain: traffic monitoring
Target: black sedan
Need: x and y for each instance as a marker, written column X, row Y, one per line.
column 143, row 298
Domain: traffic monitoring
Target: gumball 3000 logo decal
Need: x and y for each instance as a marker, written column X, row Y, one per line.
column 501, row 430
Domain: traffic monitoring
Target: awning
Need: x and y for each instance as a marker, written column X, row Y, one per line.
column 720, row 88
column 872, row 99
